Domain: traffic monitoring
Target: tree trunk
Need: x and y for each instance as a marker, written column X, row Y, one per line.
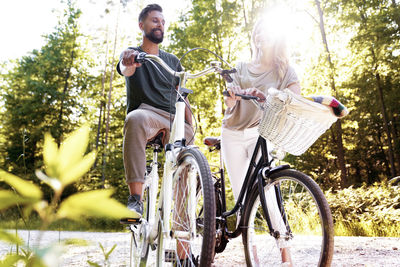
column 386, row 124
column 102, row 103
column 109, row 98
column 383, row 106
column 396, row 142
column 66, row 85
column 246, row 25
column 200, row 129
column 380, row 141
column 339, row 140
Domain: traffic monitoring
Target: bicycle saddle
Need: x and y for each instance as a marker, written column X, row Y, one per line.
column 158, row 139
column 212, row 141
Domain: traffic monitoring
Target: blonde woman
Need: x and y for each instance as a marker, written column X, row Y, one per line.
column 269, row 67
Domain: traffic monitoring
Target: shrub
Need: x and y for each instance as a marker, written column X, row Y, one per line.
column 367, row 210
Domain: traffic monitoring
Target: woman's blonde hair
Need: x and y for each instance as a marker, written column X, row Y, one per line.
column 263, row 30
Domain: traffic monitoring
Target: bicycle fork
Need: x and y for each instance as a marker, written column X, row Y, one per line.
column 187, row 168
column 262, row 180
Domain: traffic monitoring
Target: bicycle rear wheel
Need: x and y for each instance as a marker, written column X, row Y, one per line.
column 180, row 248
column 304, row 223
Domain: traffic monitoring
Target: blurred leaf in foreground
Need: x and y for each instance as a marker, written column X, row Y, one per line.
column 96, row 203
column 68, row 163
column 25, row 188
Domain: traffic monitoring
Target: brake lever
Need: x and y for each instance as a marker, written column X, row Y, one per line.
column 141, row 57
column 226, row 76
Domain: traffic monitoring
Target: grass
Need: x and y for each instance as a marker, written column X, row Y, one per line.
column 366, row 228
column 366, row 210
column 371, row 211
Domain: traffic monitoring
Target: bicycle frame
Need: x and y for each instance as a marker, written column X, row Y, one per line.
column 257, row 173
column 175, row 145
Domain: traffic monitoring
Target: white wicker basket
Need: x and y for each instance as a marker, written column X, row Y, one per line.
column 293, row 123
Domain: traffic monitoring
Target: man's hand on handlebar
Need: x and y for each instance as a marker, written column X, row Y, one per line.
column 128, row 58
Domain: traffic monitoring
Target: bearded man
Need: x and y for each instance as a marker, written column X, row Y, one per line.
column 151, row 98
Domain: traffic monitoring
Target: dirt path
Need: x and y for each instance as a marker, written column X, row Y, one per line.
column 349, row 251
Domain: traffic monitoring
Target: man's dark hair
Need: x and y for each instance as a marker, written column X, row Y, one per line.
column 143, row 14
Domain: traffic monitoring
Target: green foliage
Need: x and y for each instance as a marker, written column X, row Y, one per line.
column 24, row 188
column 63, row 166
column 364, row 44
column 367, row 210
column 41, row 93
column 67, row 162
column 106, row 255
column 10, row 238
column 97, row 203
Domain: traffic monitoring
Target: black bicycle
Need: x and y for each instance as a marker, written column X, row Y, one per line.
column 304, row 227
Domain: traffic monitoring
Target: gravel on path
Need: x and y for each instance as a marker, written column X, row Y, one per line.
column 349, row 251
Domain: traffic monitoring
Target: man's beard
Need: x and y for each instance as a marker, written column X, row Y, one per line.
column 152, row 36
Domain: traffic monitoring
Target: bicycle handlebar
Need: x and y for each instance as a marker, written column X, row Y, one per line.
column 245, row 97
column 141, row 57
column 184, row 75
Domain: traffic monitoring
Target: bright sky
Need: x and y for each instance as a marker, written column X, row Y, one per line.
column 24, row 22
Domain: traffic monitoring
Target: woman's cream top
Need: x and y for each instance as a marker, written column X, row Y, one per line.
column 245, row 114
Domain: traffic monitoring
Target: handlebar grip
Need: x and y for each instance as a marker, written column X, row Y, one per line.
column 245, row 97
column 141, row 57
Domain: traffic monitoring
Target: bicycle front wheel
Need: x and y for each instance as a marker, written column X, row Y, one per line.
column 191, row 219
column 300, row 217
column 139, row 235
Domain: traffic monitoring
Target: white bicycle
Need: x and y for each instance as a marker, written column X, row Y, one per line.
column 180, row 224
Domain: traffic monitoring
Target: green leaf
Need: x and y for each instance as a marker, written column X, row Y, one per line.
column 23, row 187
column 107, row 255
column 102, row 249
column 95, row 203
column 9, row 199
column 11, row 238
column 11, row 260
column 72, row 149
column 79, row 169
column 91, row 263
column 50, row 155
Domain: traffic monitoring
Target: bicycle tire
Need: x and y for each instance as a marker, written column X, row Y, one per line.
column 139, row 250
column 197, row 250
column 221, row 240
column 309, row 218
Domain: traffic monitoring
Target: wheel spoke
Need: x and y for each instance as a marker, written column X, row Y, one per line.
column 192, row 214
column 306, row 214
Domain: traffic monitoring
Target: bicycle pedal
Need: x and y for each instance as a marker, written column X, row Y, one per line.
column 129, row 221
column 170, row 255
